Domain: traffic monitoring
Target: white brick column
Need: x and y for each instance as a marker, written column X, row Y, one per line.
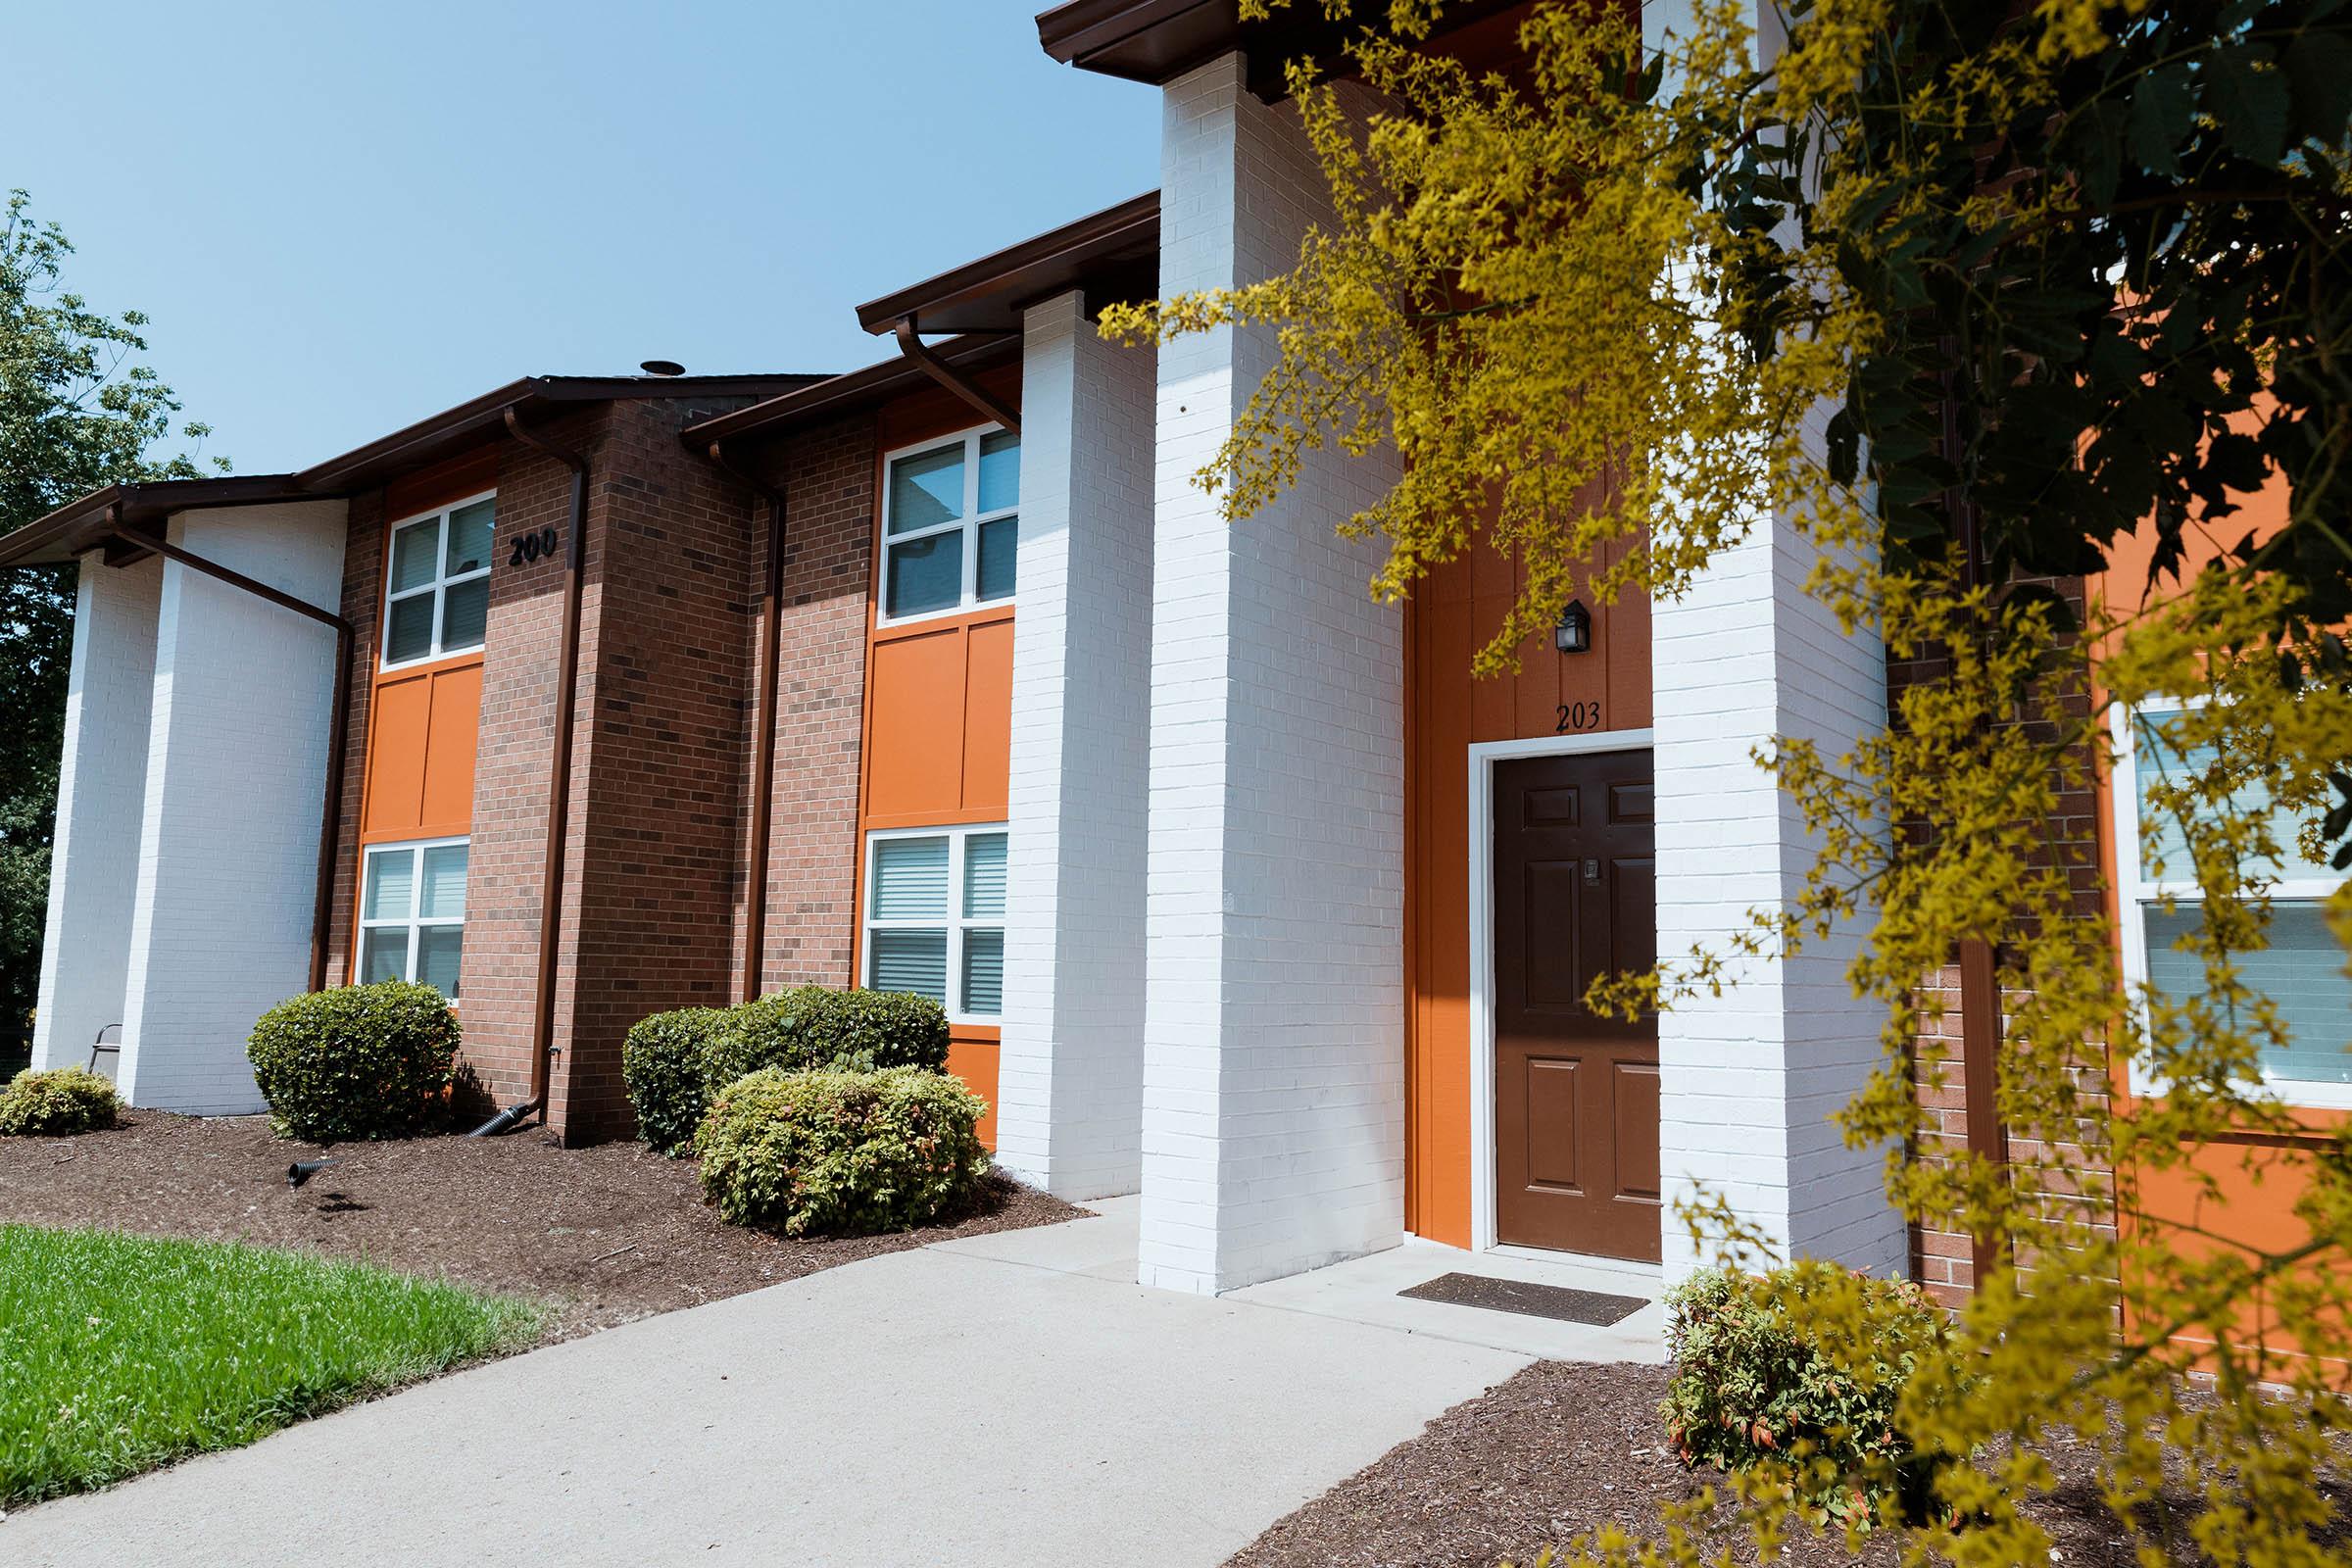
column 236, row 770
column 1069, row 1085
column 101, row 795
column 1748, row 1080
column 1274, row 1023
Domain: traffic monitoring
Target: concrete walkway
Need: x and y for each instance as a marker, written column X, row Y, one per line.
column 1012, row 1398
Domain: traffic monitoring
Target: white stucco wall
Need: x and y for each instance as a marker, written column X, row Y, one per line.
column 236, row 771
column 101, row 796
column 1273, row 1088
column 1069, row 1084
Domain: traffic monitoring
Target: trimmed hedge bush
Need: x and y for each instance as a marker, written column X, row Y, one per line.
column 57, row 1104
column 842, row 1153
column 665, row 1063
column 1802, row 1366
column 674, row 1062
column 357, row 1062
column 812, row 1026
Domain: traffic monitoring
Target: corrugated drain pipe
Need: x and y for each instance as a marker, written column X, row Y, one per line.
column 763, row 765
column 323, row 900
column 558, row 788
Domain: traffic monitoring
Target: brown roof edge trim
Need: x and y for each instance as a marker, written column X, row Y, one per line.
column 843, row 394
column 485, row 414
column 1156, row 42
column 996, row 285
column 1142, row 41
column 82, row 524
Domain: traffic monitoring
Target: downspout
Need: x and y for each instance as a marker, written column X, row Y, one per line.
column 1987, row 1136
column 558, row 786
column 763, row 765
column 913, row 346
column 330, row 812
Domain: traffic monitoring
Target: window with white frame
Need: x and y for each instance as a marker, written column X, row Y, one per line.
column 413, row 913
column 935, row 917
column 2301, row 970
column 950, row 532
column 437, row 584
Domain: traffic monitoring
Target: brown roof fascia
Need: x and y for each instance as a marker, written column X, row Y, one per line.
column 454, row 428
column 79, row 525
column 1142, row 40
column 988, row 295
column 1156, row 42
column 846, row 394
column 83, row 525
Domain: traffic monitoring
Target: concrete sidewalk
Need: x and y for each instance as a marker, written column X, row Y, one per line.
column 1014, row 1398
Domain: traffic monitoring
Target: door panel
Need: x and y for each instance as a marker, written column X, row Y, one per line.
column 1576, row 1114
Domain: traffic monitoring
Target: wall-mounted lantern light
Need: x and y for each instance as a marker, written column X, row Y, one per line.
column 1574, row 633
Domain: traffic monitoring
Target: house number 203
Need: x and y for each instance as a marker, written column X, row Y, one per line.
column 532, row 547
column 1578, row 715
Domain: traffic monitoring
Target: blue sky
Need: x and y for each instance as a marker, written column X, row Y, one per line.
column 343, row 217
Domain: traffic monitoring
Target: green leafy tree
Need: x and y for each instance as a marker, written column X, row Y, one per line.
column 76, row 413
column 1973, row 297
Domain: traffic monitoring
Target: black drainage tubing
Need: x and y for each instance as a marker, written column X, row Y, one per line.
column 505, row 1119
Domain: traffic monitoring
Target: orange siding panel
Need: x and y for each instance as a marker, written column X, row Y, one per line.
column 1454, row 611
column 914, row 768
column 972, row 1054
column 987, row 719
column 450, row 746
column 399, row 722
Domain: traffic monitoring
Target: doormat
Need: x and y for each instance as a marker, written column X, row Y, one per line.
column 1528, row 1300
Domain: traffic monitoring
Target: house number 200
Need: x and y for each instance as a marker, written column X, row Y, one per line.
column 533, row 546
column 1578, row 715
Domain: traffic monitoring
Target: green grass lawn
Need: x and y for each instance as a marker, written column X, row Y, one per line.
column 119, row 1353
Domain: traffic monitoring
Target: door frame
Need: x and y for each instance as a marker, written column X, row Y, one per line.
column 1482, row 756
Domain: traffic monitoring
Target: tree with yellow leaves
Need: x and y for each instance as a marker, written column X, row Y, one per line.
column 1975, row 298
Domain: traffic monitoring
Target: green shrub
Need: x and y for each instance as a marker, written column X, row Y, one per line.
column 673, row 1063
column 1802, row 1367
column 810, row 1026
column 56, row 1103
column 359, row 1061
column 665, row 1063
column 844, row 1153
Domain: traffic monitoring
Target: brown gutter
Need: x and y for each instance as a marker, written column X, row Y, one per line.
column 912, row 345
column 558, row 772
column 331, row 815
column 763, row 765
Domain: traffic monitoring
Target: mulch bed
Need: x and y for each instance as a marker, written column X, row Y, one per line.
column 1564, row 1448
column 600, row 1235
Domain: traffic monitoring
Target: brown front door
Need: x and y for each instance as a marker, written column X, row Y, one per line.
column 1575, row 1094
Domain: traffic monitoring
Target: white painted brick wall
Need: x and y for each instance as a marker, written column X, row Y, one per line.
column 1069, row 1085
column 1750, row 1080
column 236, row 770
column 1273, row 1094
column 101, row 795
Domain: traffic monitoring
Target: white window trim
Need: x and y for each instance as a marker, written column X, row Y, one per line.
column 2134, row 889
column 969, row 523
column 956, row 921
column 413, row 922
column 439, row 586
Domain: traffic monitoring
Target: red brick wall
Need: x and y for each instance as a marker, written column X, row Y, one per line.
column 666, row 679
column 363, row 605
column 1940, row 1253
column 662, row 758
column 513, row 750
column 828, row 555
